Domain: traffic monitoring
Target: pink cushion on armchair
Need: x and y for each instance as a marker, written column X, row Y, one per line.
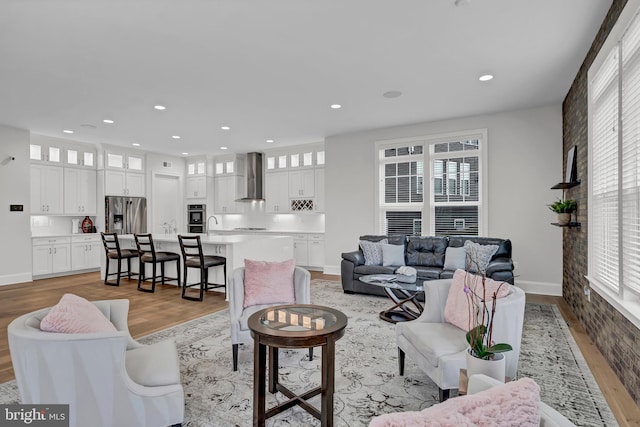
column 457, row 310
column 75, row 315
column 268, row 282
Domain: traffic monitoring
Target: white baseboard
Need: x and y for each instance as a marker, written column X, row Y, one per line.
column 332, row 269
column 10, row 279
column 540, row 288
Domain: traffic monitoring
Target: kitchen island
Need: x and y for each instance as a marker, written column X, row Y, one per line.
column 235, row 248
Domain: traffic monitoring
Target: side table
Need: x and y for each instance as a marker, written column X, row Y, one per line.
column 294, row 326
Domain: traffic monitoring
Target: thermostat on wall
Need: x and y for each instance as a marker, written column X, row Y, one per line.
column 16, row 208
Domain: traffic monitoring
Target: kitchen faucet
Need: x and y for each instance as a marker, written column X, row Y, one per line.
column 208, row 219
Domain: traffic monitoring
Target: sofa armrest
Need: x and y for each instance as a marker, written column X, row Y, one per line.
column 356, row 257
column 499, row 264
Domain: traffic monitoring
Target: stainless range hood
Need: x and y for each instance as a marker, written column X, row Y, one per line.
column 254, row 178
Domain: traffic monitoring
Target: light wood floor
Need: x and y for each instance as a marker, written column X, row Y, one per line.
column 153, row 312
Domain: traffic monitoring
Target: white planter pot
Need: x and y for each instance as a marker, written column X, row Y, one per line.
column 564, row 218
column 495, row 368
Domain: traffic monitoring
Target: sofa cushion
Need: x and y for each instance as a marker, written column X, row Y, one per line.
column 455, row 258
column 426, row 251
column 427, row 273
column 392, row 255
column 372, row 251
column 363, row 270
column 504, row 245
column 154, row 365
column 433, row 340
column 516, row 403
column 75, row 315
column 479, row 256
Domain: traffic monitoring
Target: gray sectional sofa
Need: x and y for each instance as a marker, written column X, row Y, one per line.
column 427, row 255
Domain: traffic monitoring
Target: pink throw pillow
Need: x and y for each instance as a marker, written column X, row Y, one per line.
column 268, row 282
column 457, row 310
column 75, row 315
column 515, row 403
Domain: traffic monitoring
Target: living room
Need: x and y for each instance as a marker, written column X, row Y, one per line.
column 526, row 150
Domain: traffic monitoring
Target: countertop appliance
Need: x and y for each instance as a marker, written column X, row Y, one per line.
column 125, row 215
column 196, row 215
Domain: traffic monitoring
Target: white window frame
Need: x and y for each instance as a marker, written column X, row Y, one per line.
column 625, row 302
column 428, row 208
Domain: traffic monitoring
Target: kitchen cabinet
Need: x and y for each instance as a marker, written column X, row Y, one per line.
column 125, row 161
column 277, row 192
column 48, row 153
column 226, row 190
column 316, row 250
column 86, row 251
column 80, row 157
column 301, row 249
column 319, row 198
column 79, row 191
column 51, row 255
column 46, row 189
column 197, row 187
column 124, row 183
column 302, row 183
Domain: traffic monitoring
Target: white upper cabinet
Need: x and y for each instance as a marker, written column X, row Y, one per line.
column 79, row 191
column 46, row 189
column 226, row 190
column 49, row 153
column 77, row 157
column 197, row 187
column 124, row 160
column 124, row 183
column 319, row 197
column 302, row 183
column 277, row 192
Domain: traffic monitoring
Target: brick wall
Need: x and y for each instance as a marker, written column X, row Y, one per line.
column 614, row 335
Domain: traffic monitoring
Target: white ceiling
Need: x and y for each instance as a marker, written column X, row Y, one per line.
column 271, row 68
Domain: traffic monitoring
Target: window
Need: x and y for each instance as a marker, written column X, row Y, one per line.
column 451, row 204
column 614, row 165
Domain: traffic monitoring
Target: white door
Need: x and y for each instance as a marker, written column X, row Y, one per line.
column 167, row 210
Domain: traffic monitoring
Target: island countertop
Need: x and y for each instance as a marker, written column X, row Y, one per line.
column 222, row 239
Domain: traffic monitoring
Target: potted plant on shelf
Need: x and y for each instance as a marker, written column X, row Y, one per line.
column 564, row 209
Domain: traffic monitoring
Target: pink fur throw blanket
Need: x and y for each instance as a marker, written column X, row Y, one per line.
column 512, row 404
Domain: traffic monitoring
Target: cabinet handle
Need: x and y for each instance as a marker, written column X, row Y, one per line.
column 49, row 251
column 55, row 250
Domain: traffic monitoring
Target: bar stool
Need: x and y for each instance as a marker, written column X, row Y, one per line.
column 193, row 257
column 113, row 251
column 147, row 255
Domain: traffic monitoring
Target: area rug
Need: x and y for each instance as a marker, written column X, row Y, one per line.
column 367, row 380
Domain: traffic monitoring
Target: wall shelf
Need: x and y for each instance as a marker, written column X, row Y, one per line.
column 565, row 185
column 571, row 224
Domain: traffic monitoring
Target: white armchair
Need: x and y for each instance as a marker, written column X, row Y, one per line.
column 239, row 315
column 439, row 348
column 108, row 379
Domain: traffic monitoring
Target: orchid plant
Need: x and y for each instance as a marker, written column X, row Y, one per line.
column 481, row 319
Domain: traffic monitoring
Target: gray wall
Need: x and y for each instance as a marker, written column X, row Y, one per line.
column 524, row 161
column 15, row 252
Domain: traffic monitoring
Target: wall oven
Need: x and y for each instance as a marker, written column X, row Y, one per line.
column 196, row 217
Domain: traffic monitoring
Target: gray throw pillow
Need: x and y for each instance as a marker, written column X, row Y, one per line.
column 455, row 258
column 372, row 251
column 392, row 255
column 478, row 256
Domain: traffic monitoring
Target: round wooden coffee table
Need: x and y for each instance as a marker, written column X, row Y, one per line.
column 294, row 326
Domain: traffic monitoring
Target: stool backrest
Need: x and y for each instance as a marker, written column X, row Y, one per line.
column 191, row 247
column 111, row 243
column 144, row 243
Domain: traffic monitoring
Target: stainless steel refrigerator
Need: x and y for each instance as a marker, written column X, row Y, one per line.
column 125, row 215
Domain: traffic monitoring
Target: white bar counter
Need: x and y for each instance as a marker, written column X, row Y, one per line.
column 235, row 248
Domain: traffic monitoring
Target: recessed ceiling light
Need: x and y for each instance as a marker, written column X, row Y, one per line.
column 225, row 128
column 185, row 154
column 336, row 106
column 159, row 107
column 223, row 148
column 67, row 131
column 135, row 144
column 109, row 121
column 485, row 77
column 176, row 137
column 270, row 141
column 392, row 94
